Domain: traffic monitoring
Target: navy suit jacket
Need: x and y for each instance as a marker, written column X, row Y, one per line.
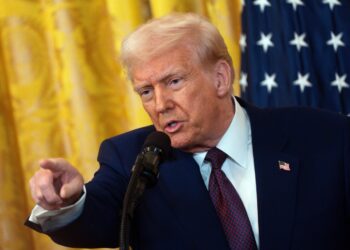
column 305, row 208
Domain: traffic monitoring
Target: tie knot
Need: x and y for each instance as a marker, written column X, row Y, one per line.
column 216, row 157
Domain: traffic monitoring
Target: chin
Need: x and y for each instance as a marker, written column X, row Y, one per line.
column 178, row 142
column 177, row 145
column 183, row 145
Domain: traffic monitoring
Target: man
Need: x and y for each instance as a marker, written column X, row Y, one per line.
column 284, row 176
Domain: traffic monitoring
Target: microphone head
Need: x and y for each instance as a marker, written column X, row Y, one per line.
column 160, row 141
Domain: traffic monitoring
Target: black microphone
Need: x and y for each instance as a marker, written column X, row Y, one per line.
column 156, row 149
column 144, row 174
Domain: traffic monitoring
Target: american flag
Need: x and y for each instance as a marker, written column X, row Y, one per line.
column 283, row 165
column 296, row 52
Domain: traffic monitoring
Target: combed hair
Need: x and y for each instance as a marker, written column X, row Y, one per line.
column 158, row 36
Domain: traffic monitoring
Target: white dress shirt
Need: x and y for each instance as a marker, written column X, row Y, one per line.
column 239, row 165
column 53, row 219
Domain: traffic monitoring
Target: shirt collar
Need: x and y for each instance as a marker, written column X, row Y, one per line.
column 236, row 139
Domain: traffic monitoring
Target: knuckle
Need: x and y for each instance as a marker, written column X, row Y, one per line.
column 40, row 174
column 43, row 184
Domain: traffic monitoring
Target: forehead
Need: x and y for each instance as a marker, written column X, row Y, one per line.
column 174, row 61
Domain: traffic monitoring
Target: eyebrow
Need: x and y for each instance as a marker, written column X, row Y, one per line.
column 147, row 84
column 167, row 77
column 163, row 78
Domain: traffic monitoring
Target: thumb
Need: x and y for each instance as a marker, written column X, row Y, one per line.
column 71, row 190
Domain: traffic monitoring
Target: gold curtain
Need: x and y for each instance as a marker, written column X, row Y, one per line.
column 62, row 90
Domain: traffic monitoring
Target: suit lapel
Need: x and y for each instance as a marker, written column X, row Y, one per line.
column 183, row 187
column 276, row 188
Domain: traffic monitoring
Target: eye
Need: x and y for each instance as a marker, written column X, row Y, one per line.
column 145, row 94
column 175, row 83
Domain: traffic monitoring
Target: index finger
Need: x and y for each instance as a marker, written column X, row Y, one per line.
column 51, row 164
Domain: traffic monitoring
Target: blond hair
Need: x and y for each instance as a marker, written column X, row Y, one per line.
column 158, row 36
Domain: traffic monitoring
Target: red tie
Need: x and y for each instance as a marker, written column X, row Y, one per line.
column 228, row 205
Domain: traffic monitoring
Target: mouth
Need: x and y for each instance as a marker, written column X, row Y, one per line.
column 172, row 127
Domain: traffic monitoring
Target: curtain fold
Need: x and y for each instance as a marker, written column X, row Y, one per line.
column 62, row 89
column 12, row 191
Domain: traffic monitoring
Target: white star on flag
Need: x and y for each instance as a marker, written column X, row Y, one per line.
column 336, row 41
column 298, row 41
column 243, row 81
column 265, row 41
column 299, row 46
column 269, row 82
column 302, row 82
column 262, row 4
column 339, row 82
column 243, row 42
column 295, row 3
column 331, row 3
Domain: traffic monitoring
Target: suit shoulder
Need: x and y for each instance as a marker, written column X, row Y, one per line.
column 302, row 121
column 295, row 114
column 135, row 136
column 312, row 117
column 120, row 151
column 313, row 124
column 126, row 144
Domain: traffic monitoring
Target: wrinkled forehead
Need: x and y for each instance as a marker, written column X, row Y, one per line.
column 170, row 62
column 166, row 61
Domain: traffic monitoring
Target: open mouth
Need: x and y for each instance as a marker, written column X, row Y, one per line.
column 172, row 126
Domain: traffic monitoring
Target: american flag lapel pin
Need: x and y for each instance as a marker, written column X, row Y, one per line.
column 284, row 165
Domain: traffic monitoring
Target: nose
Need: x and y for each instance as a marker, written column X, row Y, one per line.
column 162, row 100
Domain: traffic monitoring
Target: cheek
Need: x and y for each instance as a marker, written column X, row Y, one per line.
column 199, row 103
column 151, row 112
column 204, row 113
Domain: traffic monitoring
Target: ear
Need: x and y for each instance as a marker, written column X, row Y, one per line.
column 223, row 78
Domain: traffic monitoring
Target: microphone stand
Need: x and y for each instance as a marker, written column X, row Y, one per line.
column 144, row 174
